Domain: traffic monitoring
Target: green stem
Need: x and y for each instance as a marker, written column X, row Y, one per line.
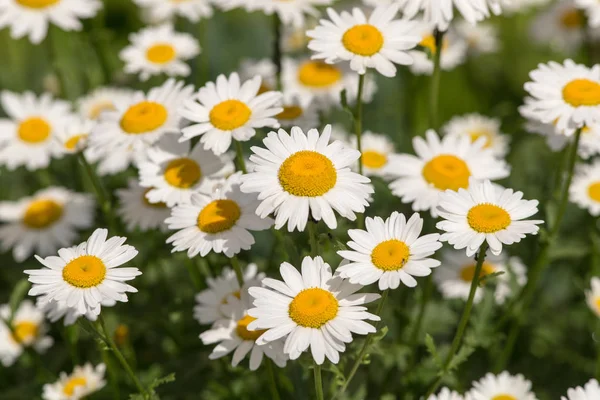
column 239, row 152
column 464, row 320
column 414, row 336
column 272, row 380
column 313, row 238
column 358, row 129
column 318, row 382
column 238, row 270
column 194, row 274
column 103, row 198
column 277, row 49
column 434, row 98
column 597, row 340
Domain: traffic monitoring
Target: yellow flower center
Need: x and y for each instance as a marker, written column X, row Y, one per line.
column 428, row 42
column 84, row 272
column 71, row 144
column 218, row 216
column 307, row 174
column 467, row 273
column 34, row 130
column 488, row 218
column 263, row 89
column 160, row 53
column 582, row 92
column 571, row 19
column 482, row 133
column 24, row 331
column 364, row 40
column 504, row 397
column 594, row 191
column 37, row 3
column 242, row 329
column 390, row 255
column 447, row 172
column 144, row 117
column 183, row 173
column 318, row 74
column 72, row 384
column 597, row 303
column 42, row 213
column 290, row 113
column 160, row 204
column 234, row 294
column 99, row 108
column 229, row 115
column 373, row 159
column 313, row 308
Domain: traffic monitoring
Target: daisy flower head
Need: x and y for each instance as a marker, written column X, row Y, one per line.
column 100, row 100
column 561, row 25
column 302, row 175
column 389, row 252
column 159, row 50
column 83, row 381
column 475, row 126
column 453, row 51
column 137, row 212
column 439, row 13
column 290, row 12
column 441, row 164
column 84, row 276
column 592, row 296
column 590, row 391
column 31, row 17
column 378, row 41
column 73, row 134
column 220, row 222
column 481, row 38
column 249, row 68
column 312, row 309
column 567, row 95
column 592, row 11
column 27, row 329
column 44, row 222
column 502, row 386
column 377, row 153
column 487, row 213
column 232, row 335
column 294, row 114
column 174, row 171
column 141, row 119
column 446, row 394
column 454, row 278
column 27, row 135
column 160, row 10
column 228, row 110
column 585, row 189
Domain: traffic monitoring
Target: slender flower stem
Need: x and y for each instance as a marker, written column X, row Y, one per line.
column 363, row 350
column 101, row 194
column 272, row 380
column 358, row 129
column 596, row 338
column 313, row 238
column 434, row 98
column 239, row 152
column 277, row 48
column 318, row 382
column 414, row 336
column 464, row 320
column 238, row 270
column 194, row 273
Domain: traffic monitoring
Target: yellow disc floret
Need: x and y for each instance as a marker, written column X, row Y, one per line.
column 290, row 113
column 218, row 216
column 229, row 115
column 242, row 329
column 364, row 40
column 307, row 174
column 582, row 92
column 594, row 191
column 161, row 53
column 144, row 117
column 373, row 159
column 318, row 74
column 73, row 141
column 313, row 308
column 42, row 213
column 488, row 218
column 84, row 272
column 467, row 273
column 34, row 130
column 390, row 255
column 182, row 173
column 72, row 384
column 25, row 331
column 37, row 3
column 447, row 171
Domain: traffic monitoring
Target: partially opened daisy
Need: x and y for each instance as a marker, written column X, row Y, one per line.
column 229, row 110
column 311, row 309
column 31, row 17
column 590, row 391
column 377, row 153
column 100, row 100
column 592, row 296
column 377, row 42
column 453, row 51
column 27, row 329
column 592, row 11
column 585, row 189
column 567, row 95
column 73, row 134
column 174, row 171
column 475, row 126
column 502, row 386
column 232, row 335
column 439, row 165
column 389, row 252
column 27, row 135
column 159, row 50
column 485, row 213
column 290, row 12
column 137, row 212
column 220, row 222
column 86, row 275
column 302, row 175
column 447, row 394
column 44, row 222
column 193, row 10
column 83, row 381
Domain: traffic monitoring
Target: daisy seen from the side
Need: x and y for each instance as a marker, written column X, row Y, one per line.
column 453, row 52
column 377, row 153
column 475, row 126
column 502, row 386
column 83, row 381
column 137, row 212
column 73, row 134
column 102, row 99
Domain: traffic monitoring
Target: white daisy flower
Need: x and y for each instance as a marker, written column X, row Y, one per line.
column 290, row 12
column 83, row 381
column 501, row 386
column 55, row 310
column 454, row 277
column 100, row 100
column 377, row 42
column 232, row 335
column 86, row 275
column 567, row 94
column 311, row 309
column 590, row 391
column 211, row 301
column 227, row 110
column 300, row 175
column 249, row 68
column 440, row 13
column 160, row 10
column 475, row 126
column 481, row 38
column 315, row 82
column 447, row 394
column 592, row 11
column 485, row 213
column 31, row 17
column 585, row 189
column 377, row 154
column 73, row 134
column 141, row 119
column 159, row 50
column 27, row 329
column 389, row 252
column 454, row 52
column 439, row 165
column 174, row 171
column 294, row 114
column 137, row 212
column 27, row 136
column 592, row 296
column 44, row 222
column 220, row 222
column 561, row 25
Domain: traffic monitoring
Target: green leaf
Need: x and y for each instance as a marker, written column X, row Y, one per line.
column 463, row 355
column 378, row 336
column 17, row 295
column 432, row 349
column 161, row 381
